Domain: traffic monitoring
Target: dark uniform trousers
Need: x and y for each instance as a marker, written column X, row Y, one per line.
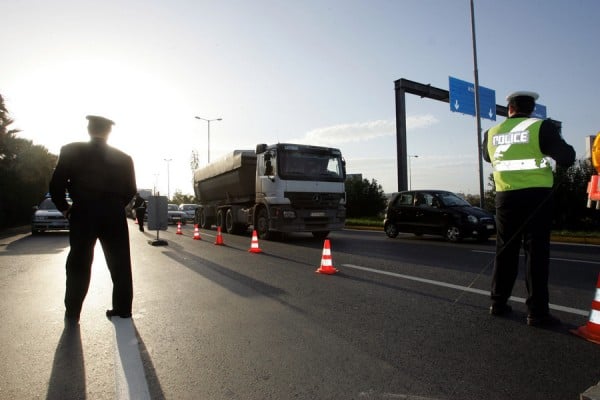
column 523, row 217
column 105, row 221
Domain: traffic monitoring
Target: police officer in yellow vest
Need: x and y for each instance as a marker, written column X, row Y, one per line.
column 518, row 150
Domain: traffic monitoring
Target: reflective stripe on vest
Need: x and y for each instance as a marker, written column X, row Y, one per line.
column 521, row 165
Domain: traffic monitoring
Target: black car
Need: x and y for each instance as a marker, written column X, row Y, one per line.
column 437, row 212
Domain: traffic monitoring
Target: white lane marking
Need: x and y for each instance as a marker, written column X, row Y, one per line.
column 129, row 371
column 461, row 288
column 551, row 258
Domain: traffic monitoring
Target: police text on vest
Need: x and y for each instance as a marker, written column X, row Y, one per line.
column 511, row 138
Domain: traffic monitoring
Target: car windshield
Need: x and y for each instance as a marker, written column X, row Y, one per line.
column 452, row 200
column 47, row 204
column 173, row 207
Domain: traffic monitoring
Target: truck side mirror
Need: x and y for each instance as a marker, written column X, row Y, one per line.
column 261, row 148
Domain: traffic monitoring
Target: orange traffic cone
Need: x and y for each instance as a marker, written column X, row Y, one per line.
column 179, row 229
column 591, row 331
column 219, row 239
column 196, row 232
column 254, row 245
column 326, row 262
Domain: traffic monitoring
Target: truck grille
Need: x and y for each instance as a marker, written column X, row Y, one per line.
column 302, row 200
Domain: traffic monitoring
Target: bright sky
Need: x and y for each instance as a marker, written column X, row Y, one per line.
column 312, row 71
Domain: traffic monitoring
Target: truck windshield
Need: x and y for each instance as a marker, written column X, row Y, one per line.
column 310, row 164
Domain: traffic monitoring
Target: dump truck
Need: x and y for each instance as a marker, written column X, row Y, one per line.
column 277, row 189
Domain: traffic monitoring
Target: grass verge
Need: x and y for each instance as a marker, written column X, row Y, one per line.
column 585, row 237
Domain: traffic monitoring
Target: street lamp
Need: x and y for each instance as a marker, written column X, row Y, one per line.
column 168, row 160
column 209, row 121
column 409, row 173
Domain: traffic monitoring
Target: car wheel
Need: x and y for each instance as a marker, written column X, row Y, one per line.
column 391, row 230
column 452, row 234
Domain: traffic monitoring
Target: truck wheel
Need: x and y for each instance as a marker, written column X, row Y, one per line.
column 206, row 222
column 221, row 219
column 262, row 225
column 320, row 234
column 202, row 220
column 230, row 226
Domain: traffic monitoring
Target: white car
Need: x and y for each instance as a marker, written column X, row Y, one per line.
column 46, row 217
column 189, row 210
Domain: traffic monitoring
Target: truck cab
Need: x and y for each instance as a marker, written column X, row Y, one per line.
column 299, row 188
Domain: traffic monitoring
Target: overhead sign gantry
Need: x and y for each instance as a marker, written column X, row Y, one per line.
column 403, row 86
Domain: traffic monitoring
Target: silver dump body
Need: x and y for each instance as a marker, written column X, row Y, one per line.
column 229, row 180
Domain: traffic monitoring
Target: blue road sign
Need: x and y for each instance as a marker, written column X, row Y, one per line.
column 539, row 111
column 462, row 99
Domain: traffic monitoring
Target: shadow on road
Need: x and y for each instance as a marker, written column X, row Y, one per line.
column 49, row 243
column 67, row 380
column 240, row 284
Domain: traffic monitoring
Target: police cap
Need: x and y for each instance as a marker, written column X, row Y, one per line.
column 522, row 93
column 100, row 121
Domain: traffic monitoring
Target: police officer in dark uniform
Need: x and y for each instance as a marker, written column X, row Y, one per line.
column 101, row 182
column 518, row 150
column 139, row 204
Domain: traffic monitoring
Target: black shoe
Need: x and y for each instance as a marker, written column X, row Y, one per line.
column 500, row 309
column 114, row 313
column 543, row 321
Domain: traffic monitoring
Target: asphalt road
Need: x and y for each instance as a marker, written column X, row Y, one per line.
column 402, row 319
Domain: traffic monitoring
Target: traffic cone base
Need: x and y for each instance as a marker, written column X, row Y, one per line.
column 196, row 232
column 326, row 262
column 254, row 245
column 179, row 229
column 219, row 239
column 587, row 333
column 591, row 331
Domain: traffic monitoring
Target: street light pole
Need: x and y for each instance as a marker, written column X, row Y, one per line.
column 209, row 121
column 477, row 106
column 168, row 160
column 410, row 173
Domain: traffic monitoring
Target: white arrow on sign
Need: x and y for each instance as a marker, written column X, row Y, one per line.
column 491, row 114
column 456, row 106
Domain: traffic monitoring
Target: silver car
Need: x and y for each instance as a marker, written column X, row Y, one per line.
column 46, row 217
column 189, row 210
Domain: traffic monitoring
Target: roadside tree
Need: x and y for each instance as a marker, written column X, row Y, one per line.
column 364, row 198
